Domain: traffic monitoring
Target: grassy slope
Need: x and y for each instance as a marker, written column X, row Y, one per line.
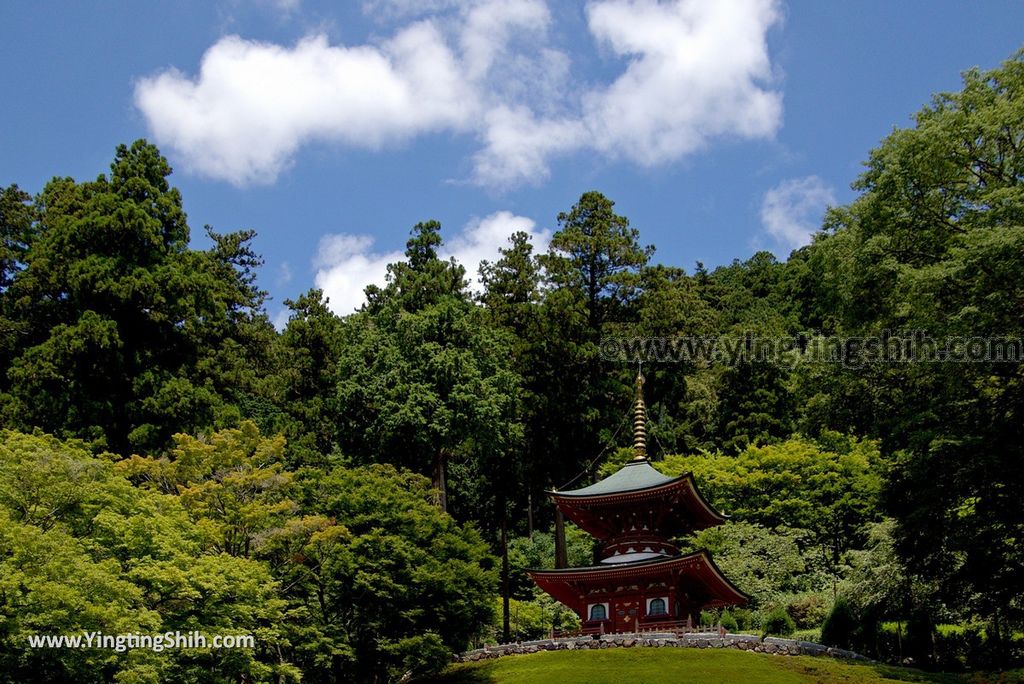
column 650, row 666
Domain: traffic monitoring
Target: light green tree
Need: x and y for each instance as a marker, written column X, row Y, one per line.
column 81, row 549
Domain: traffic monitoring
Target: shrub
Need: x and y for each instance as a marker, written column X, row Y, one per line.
column 422, row 653
column 778, row 623
column 728, row 621
column 812, row 635
column 961, row 647
column 808, row 610
column 744, row 618
column 840, row 625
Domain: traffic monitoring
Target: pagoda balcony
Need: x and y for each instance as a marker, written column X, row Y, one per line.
column 637, row 543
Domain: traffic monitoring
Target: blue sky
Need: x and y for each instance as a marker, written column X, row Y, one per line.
column 719, row 128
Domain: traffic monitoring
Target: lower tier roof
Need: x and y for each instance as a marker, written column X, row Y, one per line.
column 695, row 571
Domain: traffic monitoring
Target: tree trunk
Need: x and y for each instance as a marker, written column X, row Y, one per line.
column 440, row 491
column 561, row 554
column 505, row 627
column 899, row 641
column 529, row 515
column 997, row 639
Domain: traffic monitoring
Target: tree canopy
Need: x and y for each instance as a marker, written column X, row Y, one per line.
column 360, row 492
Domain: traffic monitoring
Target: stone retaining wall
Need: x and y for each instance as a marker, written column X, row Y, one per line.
column 742, row 642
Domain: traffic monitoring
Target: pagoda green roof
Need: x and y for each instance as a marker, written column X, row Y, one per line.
column 634, row 476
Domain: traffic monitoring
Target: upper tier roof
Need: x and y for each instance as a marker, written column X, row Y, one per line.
column 631, row 477
column 669, row 506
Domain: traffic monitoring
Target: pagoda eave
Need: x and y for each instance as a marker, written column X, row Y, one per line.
column 590, row 512
column 572, row 586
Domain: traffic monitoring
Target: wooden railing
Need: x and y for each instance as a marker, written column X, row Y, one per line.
column 677, row 627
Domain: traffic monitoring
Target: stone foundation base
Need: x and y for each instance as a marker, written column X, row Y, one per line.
column 741, row 642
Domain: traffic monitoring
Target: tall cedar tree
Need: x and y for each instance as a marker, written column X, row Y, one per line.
column 124, row 335
column 424, row 380
column 592, row 275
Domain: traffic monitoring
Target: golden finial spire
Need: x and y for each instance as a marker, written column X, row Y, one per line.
column 640, row 420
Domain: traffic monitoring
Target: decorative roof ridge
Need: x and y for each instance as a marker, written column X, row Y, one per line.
column 618, row 566
column 639, row 490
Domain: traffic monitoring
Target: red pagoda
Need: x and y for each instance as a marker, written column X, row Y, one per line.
column 642, row 582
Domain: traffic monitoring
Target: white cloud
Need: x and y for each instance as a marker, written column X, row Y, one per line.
column 346, row 263
column 253, row 104
column 792, row 211
column 280, row 321
column 518, row 146
column 489, row 27
column 482, row 238
column 698, row 71
column 693, row 71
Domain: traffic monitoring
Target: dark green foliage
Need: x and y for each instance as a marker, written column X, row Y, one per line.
column 757, row 407
column 307, row 355
column 744, row 618
column 778, row 623
column 124, row 334
column 895, row 486
column 934, row 244
column 538, row 552
column 423, row 279
column 424, row 381
column 385, row 582
column 829, row 487
column 534, row 618
column 764, row 563
column 17, row 231
column 592, row 273
column 511, row 285
column 597, row 255
column 355, row 575
column 840, row 625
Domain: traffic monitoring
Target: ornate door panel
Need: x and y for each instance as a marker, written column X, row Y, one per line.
column 625, row 613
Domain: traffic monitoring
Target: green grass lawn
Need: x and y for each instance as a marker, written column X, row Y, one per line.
column 681, row 665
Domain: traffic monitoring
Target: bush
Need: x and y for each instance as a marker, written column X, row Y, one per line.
column 728, row 621
column 889, row 642
column 532, row 619
column 744, row 618
column 778, row 623
column 840, row 625
column 812, row 635
column 808, row 610
column 422, row 653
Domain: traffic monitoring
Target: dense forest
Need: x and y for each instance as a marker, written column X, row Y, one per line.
column 362, row 493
